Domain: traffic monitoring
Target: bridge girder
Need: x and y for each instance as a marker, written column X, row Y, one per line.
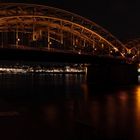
column 58, row 25
column 133, row 46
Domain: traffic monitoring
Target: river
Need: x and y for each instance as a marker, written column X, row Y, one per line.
column 65, row 107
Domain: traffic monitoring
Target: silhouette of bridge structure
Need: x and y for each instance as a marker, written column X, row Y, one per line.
column 39, row 32
column 133, row 46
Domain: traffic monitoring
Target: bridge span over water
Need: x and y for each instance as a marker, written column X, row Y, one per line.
column 24, row 26
column 38, row 32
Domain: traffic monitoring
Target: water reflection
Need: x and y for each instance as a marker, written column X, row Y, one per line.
column 137, row 112
column 66, row 107
column 139, row 78
column 116, row 114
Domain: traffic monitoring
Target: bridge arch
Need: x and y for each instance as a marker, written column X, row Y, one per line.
column 133, row 46
column 52, row 28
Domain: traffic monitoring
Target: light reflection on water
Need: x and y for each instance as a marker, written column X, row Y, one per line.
column 66, row 107
column 139, row 78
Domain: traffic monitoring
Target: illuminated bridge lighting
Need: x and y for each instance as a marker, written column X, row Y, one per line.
column 133, row 46
column 139, row 68
column 30, row 26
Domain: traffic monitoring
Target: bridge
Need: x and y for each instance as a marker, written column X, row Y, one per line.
column 133, row 46
column 38, row 32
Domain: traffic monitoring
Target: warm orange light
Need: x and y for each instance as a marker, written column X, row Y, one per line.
column 137, row 110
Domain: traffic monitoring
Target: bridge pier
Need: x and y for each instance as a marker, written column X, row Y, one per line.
column 111, row 74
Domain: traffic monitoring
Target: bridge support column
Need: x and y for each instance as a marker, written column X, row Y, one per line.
column 105, row 74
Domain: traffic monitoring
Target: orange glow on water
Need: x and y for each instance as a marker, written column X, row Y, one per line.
column 137, row 110
column 138, row 96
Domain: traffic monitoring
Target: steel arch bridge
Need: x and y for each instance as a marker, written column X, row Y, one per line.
column 133, row 46
column 37, row 26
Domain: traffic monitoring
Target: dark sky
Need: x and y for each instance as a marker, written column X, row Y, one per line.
column 120, row 17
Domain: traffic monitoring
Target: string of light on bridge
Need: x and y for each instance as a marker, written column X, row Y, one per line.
column 30, row 26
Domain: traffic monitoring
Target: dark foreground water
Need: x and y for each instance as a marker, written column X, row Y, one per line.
column 65, row 107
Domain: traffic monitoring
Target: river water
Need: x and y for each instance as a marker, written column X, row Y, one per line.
column 66, row 107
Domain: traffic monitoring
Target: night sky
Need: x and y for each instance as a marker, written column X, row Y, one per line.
column 120, row 17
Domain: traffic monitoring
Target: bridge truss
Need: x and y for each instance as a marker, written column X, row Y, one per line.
column 38, row 26
column 133, row 46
